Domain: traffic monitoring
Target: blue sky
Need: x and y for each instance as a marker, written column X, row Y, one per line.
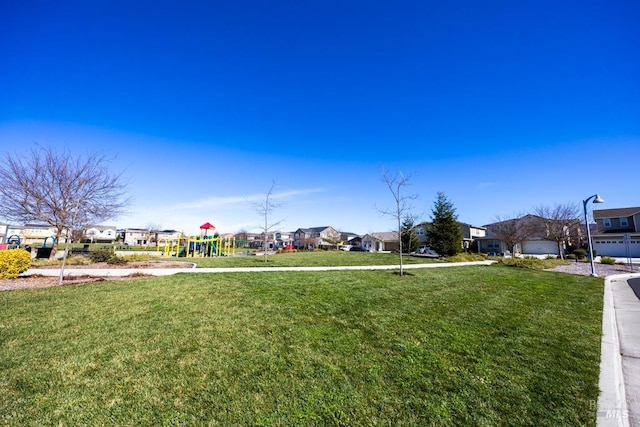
column 501, row 105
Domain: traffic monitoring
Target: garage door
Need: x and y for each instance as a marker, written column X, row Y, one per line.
column 617, row 248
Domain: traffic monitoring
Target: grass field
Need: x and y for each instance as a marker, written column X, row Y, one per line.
column 309, row 259
column 488, row 345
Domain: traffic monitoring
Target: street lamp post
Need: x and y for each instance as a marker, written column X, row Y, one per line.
column 596, row 199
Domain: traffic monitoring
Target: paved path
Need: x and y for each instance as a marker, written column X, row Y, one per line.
column 619, row 400
column 120, row 272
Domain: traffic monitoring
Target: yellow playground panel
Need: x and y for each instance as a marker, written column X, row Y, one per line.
column 200, row 246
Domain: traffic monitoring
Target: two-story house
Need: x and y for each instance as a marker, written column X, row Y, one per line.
column 135, row 236
column 101, row 234
column 32, row 234
column 470, row 234
column 316, row 238
column 275, row 240
column 617, row 232
column 164, row 237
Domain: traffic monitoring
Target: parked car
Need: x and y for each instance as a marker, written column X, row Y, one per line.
column 346, row 248
column 426, row 250
column 358, row 249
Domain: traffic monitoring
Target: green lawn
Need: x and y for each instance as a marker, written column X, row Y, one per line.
column 488, row 345
column 307, row 259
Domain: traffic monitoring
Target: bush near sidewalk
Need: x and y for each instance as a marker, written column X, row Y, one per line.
column 13, row 262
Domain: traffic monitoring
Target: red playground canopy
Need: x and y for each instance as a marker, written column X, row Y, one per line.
column 207, row 226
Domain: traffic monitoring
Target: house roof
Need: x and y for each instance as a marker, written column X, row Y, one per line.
column 473, row 226
column 615, row 213
column 384, row 236
column 315, row 229
column 102, row 227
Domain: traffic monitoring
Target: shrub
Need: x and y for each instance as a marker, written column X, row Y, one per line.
column 531, row 263
column 13, row 262
column 102, row 255
column 116, row 260
column 580, row 253
column 138, row 257
column 467, row 257
column 607, row 260
column 551, row 257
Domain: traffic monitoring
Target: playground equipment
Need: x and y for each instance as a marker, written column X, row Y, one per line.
column 44, row 252
column 200, row 246
column 13, row 241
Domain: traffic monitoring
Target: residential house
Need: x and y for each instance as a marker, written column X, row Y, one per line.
column 617, row 232
column 164, row 237
column 282, row 239
column 275, row 239
column 32, row 234
column 101, row 234
column 251, row 240
column 135, row 236
column 350, row 239
column 381, row 242
column 421, row 231
column 316, row 238
column 3, row 232
column 530, row 232
column 470, row 233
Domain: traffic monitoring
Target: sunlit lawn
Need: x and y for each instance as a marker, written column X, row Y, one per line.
column 308, row 259
column 458, row 346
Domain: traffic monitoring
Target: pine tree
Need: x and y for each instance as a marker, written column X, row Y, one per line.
column 445, row 234
column 410, row 241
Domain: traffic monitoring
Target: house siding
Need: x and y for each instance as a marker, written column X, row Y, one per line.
column 617, row 240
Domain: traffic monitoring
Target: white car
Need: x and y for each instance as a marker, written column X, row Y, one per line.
column 426, row 250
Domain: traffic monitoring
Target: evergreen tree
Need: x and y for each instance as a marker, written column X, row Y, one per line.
column 445, row 234
column 410, row 240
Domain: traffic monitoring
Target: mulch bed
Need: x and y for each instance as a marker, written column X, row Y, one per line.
column 35, row 281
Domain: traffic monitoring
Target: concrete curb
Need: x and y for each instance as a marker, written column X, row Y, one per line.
column 613, row 409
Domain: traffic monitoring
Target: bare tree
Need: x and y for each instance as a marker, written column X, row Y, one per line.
column 396, row 183
column 559, row 223
column 333, row 241
column 152, row 233
column 265, row 208
column 242, row 236
column 64, row 191
column 513, row 230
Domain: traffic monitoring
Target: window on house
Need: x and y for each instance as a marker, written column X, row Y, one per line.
column 624, row 222
column 607, row 222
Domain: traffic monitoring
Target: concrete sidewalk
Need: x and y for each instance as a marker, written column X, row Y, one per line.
column 619, row 400
column 123, row 272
